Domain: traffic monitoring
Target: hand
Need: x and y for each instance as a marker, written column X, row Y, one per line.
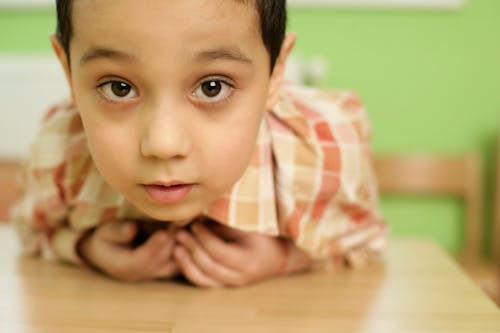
column 213, row 255
column 109, row 248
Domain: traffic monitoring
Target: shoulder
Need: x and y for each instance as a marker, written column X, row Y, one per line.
column 320, row 110
column 60, row 138
column 322, row 100
column 61, row 117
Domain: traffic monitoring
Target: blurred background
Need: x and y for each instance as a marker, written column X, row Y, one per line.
column 428, row 72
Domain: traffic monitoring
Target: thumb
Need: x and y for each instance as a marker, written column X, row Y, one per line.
column 118, row 232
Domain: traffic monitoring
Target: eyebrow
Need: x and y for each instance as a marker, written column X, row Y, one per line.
column 224, row 53
column 103, row 53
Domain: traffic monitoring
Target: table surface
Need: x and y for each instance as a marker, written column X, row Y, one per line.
column 415, row 288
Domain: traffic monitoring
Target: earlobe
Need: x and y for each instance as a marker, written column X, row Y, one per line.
column 63, row 59
column 279, row 69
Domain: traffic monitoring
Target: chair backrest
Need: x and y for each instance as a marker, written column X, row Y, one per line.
column 496, row 229
column 496, row 203
column 432, row 174
column 9, row 189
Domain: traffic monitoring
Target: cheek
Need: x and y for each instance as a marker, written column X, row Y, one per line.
column 236, row 150
column 111, row 151
column 103, row 145
column 233, row 150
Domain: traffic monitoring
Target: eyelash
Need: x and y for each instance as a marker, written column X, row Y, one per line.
column 101, row 87
column 228, row 86
column 111, row 96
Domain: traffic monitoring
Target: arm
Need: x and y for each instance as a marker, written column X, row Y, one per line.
column 42, row 213
column 348, row 228
column 364, row 231
column 326, row 191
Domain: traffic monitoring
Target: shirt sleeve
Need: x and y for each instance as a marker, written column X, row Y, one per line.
column 326, row 189
column 49, row 185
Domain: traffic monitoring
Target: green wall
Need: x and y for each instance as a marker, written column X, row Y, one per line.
column 429, row 80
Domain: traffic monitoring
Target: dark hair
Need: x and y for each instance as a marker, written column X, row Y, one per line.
column 272, row 16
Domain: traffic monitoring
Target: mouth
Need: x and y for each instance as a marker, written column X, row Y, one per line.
column 168, row 193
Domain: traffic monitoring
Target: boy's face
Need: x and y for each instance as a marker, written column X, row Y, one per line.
column 171, row 95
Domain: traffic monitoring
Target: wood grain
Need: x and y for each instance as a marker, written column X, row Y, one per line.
column 416, row 287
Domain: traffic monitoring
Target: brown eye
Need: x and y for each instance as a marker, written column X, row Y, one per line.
column 120, row 89
column 211, row 88
column 115, row 90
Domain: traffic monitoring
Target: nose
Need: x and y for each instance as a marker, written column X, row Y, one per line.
column 166, row 133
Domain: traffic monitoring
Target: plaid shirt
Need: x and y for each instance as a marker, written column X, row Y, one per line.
column 310, row 180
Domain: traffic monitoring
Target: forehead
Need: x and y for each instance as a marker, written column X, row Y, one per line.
column 197, row 22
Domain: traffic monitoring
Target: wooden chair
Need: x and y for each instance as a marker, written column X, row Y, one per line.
column 496, row 226
column 427, row 174
column 457, row 176
column 9, row 189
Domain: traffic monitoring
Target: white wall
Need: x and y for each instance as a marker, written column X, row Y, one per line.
column 28, row 86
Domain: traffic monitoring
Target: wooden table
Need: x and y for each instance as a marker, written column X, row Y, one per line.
column 416, row 288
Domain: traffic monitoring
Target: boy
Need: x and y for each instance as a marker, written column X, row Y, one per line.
column 183, row 153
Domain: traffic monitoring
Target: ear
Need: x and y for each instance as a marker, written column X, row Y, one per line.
column 279, row 70
column 63, row 60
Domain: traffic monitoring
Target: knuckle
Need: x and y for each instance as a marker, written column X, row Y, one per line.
column 149, row 254
column 253, row 268
column 137, row 264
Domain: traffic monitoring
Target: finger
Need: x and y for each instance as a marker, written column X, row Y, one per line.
column 163, row 263
column 151, row 260
column 223, row 231
column 145, row 229
column 166, row 266
column 133, row 264
column 157, row 247
column 217, row 248
column 167, row 270
column 116, row 261
column 168, row 245
column 191, row 270
column 207, row 264
column 118, row 232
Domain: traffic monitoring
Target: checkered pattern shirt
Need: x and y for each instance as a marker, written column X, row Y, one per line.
column 310, row 180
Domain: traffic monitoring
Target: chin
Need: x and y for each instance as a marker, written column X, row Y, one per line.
column 178, row 215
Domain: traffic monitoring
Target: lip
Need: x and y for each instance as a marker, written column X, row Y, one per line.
column 168, row 193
